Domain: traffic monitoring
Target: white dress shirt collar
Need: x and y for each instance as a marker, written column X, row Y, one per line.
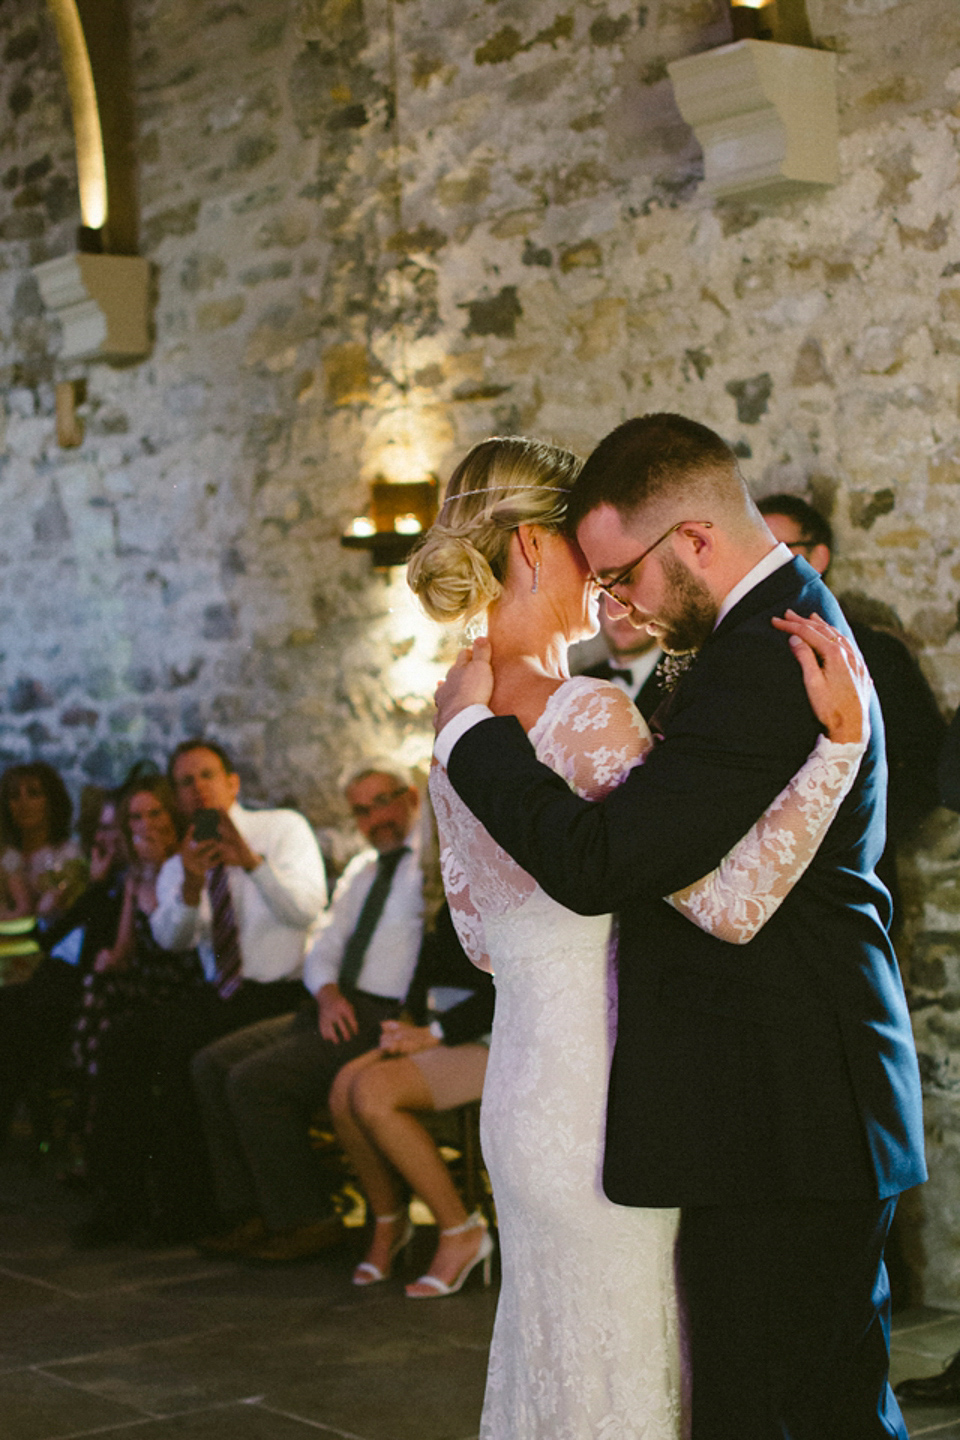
column 774, row 560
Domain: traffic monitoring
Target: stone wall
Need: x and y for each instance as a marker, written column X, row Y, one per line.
column 383, row 230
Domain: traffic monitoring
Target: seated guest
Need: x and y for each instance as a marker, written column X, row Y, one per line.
column 36, row 1016
column 246, row 889
column 436, row 1063
column 77, row 935
column 133, row 969
column 257, row 1089
column 248, row 896
column 130, row 973
column 42, row 869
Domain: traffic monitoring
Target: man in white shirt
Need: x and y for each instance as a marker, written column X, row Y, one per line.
column 275, row 880
column 258, row 1088
column 267, row 872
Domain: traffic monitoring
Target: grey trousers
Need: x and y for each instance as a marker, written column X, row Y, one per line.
column 257, row 1090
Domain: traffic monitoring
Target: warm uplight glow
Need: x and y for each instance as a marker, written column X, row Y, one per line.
column 91, row 167
column 404, row 461
column 423, row 650
column 362, row 526
column 407, row 525
column 749, row 4
column 407, row 441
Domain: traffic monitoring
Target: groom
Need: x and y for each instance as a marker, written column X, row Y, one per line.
column 771, row 1090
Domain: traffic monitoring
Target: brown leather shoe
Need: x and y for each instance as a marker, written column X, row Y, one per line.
column 236, row 1241
column 299, row 1242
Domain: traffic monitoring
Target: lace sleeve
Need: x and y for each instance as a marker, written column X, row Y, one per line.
column 467, row 919
column 737, row 899
column 478, row 877
column 593, row 735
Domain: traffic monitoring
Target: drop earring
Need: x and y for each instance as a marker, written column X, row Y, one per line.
column 536, row 579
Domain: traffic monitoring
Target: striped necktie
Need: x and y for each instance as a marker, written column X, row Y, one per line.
column 226, row 941
column 356, row 947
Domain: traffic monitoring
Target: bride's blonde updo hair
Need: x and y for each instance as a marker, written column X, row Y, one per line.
column 461, row 563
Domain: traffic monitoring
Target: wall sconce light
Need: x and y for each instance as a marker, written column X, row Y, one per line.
column 763, row 108
column 398, row 514
column 765, row 115
column 70, row 426
column 783, row 21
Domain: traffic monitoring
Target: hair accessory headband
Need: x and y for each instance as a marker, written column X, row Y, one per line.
column 506, row 489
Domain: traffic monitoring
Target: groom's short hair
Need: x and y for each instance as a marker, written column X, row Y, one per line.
column 644, row 460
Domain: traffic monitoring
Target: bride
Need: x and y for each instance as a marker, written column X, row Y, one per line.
column 588, row 1337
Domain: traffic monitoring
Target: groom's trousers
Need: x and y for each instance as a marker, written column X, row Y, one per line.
column 789, row 1314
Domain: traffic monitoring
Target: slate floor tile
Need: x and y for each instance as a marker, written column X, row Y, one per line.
column 439, row 1398
column 227, row 1422
column 46, row 1335
column 186, row 1372
column 36, row 1406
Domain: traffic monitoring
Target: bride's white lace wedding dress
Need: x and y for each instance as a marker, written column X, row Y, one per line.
column 587, row 1341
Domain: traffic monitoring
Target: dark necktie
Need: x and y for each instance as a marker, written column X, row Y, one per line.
column 356, row 947
column 226, row 941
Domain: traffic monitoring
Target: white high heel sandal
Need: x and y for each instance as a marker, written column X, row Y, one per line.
column 483, row 1256
column 366, row 1272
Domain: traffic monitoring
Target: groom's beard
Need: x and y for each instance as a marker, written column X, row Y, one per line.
column 689, row 611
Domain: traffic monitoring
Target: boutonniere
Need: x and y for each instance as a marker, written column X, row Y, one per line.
column 671, row 668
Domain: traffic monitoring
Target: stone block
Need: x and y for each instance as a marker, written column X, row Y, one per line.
column 347, row 372
column 218, row 314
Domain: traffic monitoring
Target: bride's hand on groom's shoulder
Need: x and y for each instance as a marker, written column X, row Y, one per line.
column 837, row 680
column 469, row 681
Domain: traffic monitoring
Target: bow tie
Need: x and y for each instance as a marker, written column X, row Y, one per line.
column 603, row 670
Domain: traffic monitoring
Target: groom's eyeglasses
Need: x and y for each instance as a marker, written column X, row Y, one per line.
column 625, row 576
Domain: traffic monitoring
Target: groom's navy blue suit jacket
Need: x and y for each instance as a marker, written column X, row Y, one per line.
column 783, row 1068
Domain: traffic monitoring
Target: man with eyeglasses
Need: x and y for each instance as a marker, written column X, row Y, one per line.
column 913, row 726
column 258, row 1088
column 769, row 1090
column 633, row 658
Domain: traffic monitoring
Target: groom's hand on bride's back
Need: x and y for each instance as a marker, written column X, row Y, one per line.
column 469, row 682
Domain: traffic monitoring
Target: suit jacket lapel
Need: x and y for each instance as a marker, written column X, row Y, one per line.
column 776, row 591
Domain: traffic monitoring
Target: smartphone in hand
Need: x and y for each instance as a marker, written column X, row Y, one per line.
column 206, row 825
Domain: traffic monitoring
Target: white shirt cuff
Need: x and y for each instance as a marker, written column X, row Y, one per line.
column 463, row 721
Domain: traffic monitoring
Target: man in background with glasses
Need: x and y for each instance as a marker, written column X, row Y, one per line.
column 770, row 1090
column 914, row 728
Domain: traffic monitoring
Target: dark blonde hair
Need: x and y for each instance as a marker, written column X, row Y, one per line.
column 461, row 564
column 160, row 788
column 59, row 807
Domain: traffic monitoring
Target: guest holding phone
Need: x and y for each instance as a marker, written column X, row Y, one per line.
column 246, row 888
